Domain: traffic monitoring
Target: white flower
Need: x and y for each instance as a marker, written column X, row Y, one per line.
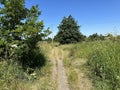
column 33, row 74
column 14, row 46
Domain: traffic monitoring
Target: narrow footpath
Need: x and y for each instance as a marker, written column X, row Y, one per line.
column 58, row 71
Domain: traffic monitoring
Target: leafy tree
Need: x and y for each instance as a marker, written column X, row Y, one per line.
column 102, row 37
column 20, row 27
column 95, row 37
column 109, row 36
column 49, row 39
column 68, row 31
column 11, row 15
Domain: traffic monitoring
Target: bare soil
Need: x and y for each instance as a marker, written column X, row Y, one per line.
column 58, row 71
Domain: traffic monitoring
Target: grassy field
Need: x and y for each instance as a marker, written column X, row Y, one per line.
column 97, row 61
column 89, row 66
column 104, row 63
column 75, row 66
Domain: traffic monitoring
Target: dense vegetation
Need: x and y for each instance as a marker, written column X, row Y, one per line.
column 20, row 32
column 101, row 63
column 104, row 63
column 95, row 37
column 21, row 56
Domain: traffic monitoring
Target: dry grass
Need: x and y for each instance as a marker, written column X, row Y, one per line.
column 76, row 71
column 14, row 78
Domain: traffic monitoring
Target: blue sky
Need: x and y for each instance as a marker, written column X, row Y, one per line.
column 94, row 16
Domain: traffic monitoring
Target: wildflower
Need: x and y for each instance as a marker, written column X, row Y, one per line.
column 14, row 46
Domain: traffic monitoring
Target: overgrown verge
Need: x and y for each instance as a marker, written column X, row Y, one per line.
column 76, row 71
column 104, row 63
column 97, row 60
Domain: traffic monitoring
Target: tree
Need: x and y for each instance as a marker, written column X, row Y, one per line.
column 68, row 31
column 11, row 15
column 102, row 37
column 95, row 37
column 20, row 27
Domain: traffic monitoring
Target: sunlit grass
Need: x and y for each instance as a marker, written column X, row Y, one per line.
column 102, row 57
column 13, row 77
column 105, row 64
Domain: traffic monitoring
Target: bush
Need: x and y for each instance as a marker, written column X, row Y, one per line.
column 30, row 57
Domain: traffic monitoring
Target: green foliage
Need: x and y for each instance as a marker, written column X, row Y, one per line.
column 68, row 31
column 49, row 40
column 102, row 60
column 20, row 32
column 14, row 77
column 73, row 76
column 95, row 37
column 29, row 57
column 20, row 56
column 11, row 14
column 83, row 49
column 118, row 38
column 104, row 63
column 9, row 74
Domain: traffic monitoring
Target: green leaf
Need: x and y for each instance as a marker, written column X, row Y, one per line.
column 1, row 42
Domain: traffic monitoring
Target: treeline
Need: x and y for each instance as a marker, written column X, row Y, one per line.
column 95, row 37
column 69, row 32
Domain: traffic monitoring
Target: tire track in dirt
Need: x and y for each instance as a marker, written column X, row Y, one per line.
column 58, row 71
column 62, row 78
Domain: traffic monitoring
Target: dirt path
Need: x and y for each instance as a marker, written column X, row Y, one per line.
column 58, row 71
column 59, row 77
column 62, row 78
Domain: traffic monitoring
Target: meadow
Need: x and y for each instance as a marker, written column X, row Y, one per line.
column 90, row 65
column 98, row 61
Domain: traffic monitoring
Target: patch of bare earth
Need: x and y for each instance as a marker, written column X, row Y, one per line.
column 59, row 77
column 58, row 71
column 62, row 78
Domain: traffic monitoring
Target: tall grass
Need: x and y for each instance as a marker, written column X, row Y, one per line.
column 105, row 64
column 83, row 49
column 73, row 63
column 102, row 58
column 14, row 77
column 9, row 74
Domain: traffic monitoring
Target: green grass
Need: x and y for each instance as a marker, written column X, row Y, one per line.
column 100, row 60
column 74, row 65
column 105, row 65
column 14, row 77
